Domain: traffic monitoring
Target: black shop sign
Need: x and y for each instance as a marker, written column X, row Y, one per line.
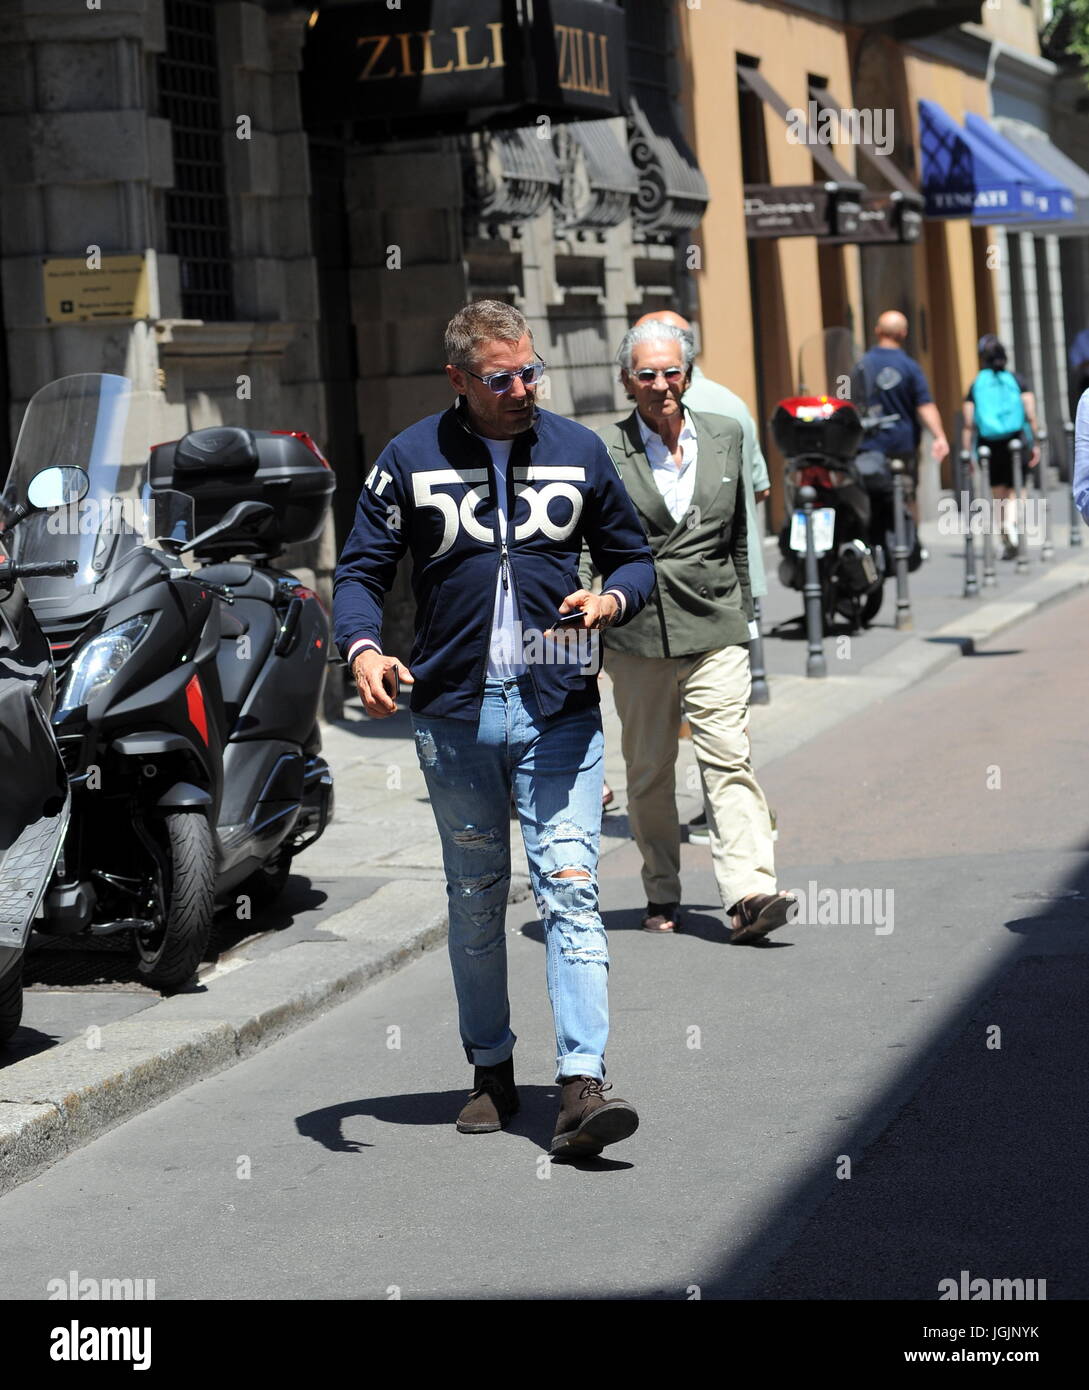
column 466, row 59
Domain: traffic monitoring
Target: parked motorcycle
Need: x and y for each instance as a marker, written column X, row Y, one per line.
column 188, row 697
column 35, row 805
column 821, row 431
column 852, row 518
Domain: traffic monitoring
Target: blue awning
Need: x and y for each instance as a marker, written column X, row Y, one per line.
column 1054, row 199
column 1032, row 141
column 964, row 177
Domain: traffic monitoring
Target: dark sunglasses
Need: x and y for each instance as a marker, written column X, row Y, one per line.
column 501, row 382
column 648, row 374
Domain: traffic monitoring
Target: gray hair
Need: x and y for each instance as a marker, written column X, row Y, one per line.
column 654, row 332
column 483, row 321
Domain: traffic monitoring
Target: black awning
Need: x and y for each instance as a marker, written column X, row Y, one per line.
column 831, row 209
column 455, row 64
column 672, row 192
column 887, row 217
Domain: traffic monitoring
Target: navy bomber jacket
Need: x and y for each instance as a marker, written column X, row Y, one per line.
column 432, row 491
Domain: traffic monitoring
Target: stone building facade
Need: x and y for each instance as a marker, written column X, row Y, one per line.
column 300, row 267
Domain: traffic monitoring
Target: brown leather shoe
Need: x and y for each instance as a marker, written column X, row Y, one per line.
column 754, row 917
column 587, row 1121
column 494, row 1100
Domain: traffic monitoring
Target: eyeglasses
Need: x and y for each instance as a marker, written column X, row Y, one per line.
column 648, row 374
column 501, row 382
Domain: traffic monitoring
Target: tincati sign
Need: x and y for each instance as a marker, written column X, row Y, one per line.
column 369, row 62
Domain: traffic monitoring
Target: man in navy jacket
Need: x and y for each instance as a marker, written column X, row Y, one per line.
column 494, row 499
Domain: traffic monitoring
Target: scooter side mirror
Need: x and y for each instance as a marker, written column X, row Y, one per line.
column 57, row 487
column 248, row 517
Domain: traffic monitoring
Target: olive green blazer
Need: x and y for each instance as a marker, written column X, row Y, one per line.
column 702, row 601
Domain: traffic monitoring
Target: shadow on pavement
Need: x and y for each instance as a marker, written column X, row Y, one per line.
column 973, row 1158
column 535, row 1121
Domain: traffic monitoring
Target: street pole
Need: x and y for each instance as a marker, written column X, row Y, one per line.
column 1075, row 518
column 971, row 582
column 1047, row 550
column 814, row 616
column 1022, row 563
column 900, row 549
column 989, row 580
column 760, row 694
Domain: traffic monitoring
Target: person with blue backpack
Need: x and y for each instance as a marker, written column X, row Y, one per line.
column 999, row 408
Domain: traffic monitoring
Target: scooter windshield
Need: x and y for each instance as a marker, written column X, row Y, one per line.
column 101, row 424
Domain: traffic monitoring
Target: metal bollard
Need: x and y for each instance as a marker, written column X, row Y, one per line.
column 1047, row 550
column 900, row 550
column 814, row 617
column 971, row 581
column 1022, row 563
column 760, row 694
column 1075, row 517
column 989, row 580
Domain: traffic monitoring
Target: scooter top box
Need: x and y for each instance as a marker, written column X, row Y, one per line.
column 226, row 464
column 816, row 425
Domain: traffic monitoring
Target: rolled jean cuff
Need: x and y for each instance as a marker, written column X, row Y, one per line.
column 491, row 1056
column 580, row 1064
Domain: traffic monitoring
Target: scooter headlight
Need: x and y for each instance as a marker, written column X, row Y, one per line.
column 100, row 660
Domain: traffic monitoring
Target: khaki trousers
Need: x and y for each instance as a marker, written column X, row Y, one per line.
column 711, row 690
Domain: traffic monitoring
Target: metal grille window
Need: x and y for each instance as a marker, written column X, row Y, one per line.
column 198, row 230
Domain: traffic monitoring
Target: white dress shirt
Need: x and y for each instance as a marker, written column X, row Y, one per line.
column 675, row 484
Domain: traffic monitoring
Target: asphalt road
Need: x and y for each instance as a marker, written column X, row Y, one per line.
column 851, row 1111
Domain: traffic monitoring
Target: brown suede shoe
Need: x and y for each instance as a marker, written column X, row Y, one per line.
column 494, row 1100
column 587, row 1121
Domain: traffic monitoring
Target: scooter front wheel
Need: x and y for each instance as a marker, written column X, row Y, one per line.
column 169, row 956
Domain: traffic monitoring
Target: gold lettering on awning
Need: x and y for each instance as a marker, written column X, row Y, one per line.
column 429, row 69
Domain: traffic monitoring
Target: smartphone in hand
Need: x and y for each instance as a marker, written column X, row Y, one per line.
column 572, row 619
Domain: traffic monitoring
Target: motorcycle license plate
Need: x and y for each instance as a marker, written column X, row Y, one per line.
column 824, row 527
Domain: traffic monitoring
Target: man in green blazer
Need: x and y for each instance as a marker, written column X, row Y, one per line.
column 686, row 654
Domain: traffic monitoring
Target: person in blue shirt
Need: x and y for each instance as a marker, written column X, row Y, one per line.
column 494, row 499
column 1081, row 456
column 886, row 381
column 1078, row 380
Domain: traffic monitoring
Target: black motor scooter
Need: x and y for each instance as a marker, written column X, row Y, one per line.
column 187, row 717
column 853, row 517
column 35, row 805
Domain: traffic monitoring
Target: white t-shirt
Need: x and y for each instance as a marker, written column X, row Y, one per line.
column 505, row 652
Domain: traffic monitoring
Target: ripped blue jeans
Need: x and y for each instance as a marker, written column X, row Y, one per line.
column 554, row 767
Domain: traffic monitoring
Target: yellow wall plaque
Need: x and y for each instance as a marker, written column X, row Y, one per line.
column 74, row 293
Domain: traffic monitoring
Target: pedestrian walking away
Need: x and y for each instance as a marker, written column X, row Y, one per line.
column 494, row 498
column 886, row 381
column 686, row 654
column 999, row 408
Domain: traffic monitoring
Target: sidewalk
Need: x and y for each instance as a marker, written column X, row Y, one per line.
column 379, row 868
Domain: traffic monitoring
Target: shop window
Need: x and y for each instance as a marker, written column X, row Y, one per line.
column 197, row 223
